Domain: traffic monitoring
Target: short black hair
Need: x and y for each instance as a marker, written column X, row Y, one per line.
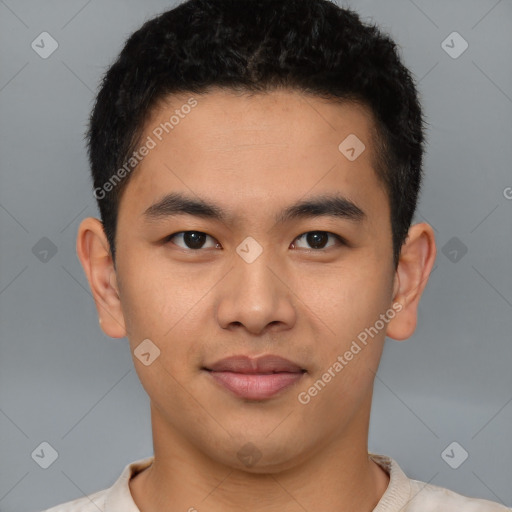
column 257, row 46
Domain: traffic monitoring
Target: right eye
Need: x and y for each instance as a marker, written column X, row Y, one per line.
column 193, row 240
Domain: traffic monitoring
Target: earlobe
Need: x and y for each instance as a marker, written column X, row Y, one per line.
column 94, row 255
column 414, row 266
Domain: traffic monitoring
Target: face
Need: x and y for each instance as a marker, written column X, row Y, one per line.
column 244, row 275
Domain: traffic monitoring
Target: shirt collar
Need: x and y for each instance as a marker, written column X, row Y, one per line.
column 398, row 492
column 396, row 496
column 119, row 498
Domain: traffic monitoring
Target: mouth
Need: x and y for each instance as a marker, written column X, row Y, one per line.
column 255, row 379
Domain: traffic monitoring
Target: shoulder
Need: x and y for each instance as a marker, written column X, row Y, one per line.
column 408, row 495
column 432, row 498
column 93, row 503
column 114, row 498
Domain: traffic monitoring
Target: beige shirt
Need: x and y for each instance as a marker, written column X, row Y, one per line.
column 402, row 494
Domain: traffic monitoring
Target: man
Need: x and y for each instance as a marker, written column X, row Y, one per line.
column 257, row 165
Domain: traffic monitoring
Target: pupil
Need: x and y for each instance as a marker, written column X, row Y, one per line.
column 194, row 239
column 315, row 239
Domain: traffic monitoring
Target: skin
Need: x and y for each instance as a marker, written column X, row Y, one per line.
column 253, row 156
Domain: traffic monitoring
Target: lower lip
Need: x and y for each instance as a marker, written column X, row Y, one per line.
column 256, row 386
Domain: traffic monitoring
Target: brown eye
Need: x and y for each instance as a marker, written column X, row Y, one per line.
column 193, row 240
column 318, row 239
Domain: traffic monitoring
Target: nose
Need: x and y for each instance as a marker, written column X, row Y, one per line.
column 256, row 296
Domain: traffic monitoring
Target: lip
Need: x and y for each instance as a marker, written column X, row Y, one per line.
column 255, row 378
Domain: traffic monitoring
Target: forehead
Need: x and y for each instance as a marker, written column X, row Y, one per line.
column 250, row 152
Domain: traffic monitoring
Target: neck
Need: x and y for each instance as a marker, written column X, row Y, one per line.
column 338, row 476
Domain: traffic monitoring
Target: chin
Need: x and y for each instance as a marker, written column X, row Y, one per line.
column 260, row 455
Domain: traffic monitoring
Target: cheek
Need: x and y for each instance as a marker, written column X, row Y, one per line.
column 347, row 303
column 145, row 299
column 166, row 305
column 346, row 298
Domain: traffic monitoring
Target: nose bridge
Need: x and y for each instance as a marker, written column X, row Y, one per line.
column 252, row 294
column 255, row 277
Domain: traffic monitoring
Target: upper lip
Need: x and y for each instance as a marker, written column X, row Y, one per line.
column 263, row 364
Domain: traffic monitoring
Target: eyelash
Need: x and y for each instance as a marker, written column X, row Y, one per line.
column 341, row 241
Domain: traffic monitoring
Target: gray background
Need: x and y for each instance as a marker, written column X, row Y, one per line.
column 64, row 382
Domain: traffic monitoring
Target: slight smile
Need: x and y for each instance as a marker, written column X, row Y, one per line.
column 255, row 379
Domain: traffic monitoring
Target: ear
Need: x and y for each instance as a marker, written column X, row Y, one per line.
column 94, row 255
column 416, row 260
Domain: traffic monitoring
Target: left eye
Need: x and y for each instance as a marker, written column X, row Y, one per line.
column 318, row 239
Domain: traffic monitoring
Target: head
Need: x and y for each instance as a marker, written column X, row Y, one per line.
column 310, row 46
column 232, row 112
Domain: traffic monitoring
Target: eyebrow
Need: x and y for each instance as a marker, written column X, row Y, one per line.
column 326, row 205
